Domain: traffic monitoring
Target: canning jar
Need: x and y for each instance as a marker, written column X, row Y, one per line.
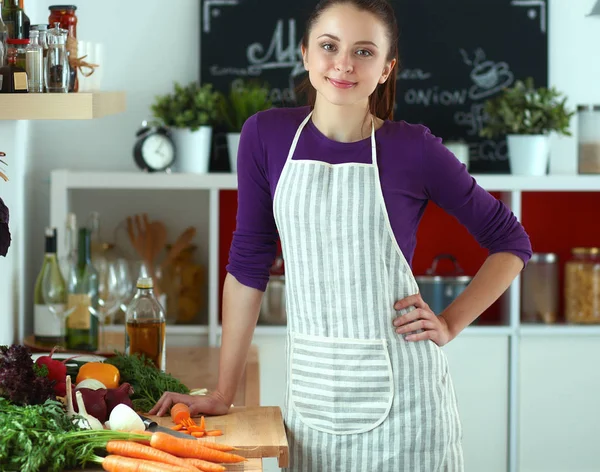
column 589, row 139
column 540, row 289
column 582, row 286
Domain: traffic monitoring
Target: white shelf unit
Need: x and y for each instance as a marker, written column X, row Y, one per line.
column 510, row 189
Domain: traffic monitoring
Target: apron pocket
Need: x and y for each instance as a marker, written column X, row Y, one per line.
column 340, row 385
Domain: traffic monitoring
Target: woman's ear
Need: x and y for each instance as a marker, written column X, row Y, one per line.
column 304, row 56
column 387, row 70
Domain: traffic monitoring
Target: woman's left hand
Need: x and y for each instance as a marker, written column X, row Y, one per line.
column 434, row 326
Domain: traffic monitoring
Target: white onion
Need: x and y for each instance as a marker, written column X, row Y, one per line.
column 123, row 418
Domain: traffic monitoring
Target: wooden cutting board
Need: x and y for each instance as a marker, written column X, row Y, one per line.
column 258, row 429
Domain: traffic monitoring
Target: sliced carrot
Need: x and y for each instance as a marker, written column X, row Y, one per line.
column 139, row 451
column 197, row 434
column 185, row 431
column 192, row 449
column 195, row 429
column 177, row 427
column 214, row 432
column 202, row 424
column 206, row 466
column 180, row 413
column 114, row 463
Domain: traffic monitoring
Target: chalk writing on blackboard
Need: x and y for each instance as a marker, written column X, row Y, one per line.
column 489, row 77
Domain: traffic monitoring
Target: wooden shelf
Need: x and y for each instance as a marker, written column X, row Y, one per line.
column 60, row 106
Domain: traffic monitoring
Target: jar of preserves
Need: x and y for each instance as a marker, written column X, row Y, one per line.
column 589, row 139
column 582, row 286
column 540, row 289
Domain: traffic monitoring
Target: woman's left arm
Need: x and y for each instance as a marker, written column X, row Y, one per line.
column 493, row 278
column 493, row 225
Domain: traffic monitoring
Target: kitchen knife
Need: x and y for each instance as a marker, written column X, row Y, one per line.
column 154, row 427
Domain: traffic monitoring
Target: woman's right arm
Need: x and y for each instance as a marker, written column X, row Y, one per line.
column 251, row 255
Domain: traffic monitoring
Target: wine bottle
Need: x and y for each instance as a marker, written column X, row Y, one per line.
column 82, row 323
column 50, row 297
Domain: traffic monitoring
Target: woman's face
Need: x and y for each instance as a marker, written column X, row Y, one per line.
column 346, row 56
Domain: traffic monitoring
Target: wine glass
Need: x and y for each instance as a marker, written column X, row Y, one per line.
column 109, row 294
column 55, row 296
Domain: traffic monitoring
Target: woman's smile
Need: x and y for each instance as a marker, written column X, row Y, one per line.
column 342, row 84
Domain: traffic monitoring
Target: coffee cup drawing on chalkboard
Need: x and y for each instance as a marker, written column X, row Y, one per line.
column 489, row 76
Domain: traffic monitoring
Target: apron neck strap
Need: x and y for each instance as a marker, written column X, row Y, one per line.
column 303, row 124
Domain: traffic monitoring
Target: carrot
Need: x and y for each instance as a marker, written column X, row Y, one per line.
column 177, row 427
column 202, row 424
column 195, row 429
column 180, row 413
column 192, row 449
column 205, row 466
column 139, row 451
column 115, row 463
column 197, row 434
column 214, row 432
column 217, row 446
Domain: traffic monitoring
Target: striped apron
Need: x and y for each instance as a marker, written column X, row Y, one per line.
column 358, row 396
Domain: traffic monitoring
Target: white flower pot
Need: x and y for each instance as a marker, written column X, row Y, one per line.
column 192, row 149
column 233, row 143
column 528, row 154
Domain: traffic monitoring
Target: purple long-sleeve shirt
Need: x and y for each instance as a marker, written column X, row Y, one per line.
column 414, row 167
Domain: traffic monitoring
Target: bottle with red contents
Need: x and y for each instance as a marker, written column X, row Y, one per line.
column 65, row 15
column 13, row 79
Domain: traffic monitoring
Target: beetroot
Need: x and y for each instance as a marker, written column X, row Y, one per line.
column 99, row 403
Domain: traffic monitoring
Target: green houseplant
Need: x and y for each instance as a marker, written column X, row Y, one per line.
column 190, row 112
column 246, row 97
column 527, row 115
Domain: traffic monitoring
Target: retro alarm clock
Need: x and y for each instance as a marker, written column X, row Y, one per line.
column 154, row 149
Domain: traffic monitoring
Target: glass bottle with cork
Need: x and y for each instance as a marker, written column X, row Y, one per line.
column 145, row 325
column 34, row 63
column 13, row 78
column 82, row 323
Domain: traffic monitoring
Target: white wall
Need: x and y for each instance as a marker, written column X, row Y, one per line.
column 154, row 45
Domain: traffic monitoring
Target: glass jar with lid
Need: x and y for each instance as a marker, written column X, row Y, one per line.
column 539, row 289
column 582, row 286
column 589, row 139
column 57, row 64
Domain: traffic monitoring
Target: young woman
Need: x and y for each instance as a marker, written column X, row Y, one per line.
column 344, row 187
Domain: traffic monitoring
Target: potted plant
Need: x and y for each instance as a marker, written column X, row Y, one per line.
column 190, row 112
column 244, row 100
column 527, row 115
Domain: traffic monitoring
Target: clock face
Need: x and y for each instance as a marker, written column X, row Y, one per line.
column 157, row 151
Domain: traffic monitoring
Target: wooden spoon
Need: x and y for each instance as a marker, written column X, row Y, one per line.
column 182, row 242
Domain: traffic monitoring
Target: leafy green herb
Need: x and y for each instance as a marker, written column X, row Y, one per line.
column 148, row 382
column 43, row 437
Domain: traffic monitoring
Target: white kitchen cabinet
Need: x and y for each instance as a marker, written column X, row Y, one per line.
column 479, row 366
column 559, row 406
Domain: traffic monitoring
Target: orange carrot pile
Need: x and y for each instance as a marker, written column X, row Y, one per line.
column 165, row 453
column 180, row 414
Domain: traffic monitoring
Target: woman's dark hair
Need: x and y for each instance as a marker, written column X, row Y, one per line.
column 381, row 101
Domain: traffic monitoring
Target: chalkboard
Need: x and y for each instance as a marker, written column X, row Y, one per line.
column 453, row 56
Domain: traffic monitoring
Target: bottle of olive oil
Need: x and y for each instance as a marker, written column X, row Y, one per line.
column 82, row 323
column 50, row 297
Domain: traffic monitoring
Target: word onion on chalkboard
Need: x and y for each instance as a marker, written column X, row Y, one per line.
column 453, row 56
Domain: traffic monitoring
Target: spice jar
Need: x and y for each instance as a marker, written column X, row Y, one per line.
column 65, row 15
column 20, row 46
column 582, row 286
column 540, row 289
column 589, row 139
column 57, row 64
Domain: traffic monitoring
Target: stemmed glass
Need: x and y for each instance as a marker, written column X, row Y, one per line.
column 109, row 294
column 55, row 297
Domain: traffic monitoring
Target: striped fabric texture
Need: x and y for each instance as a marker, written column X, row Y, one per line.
column 359, row 397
